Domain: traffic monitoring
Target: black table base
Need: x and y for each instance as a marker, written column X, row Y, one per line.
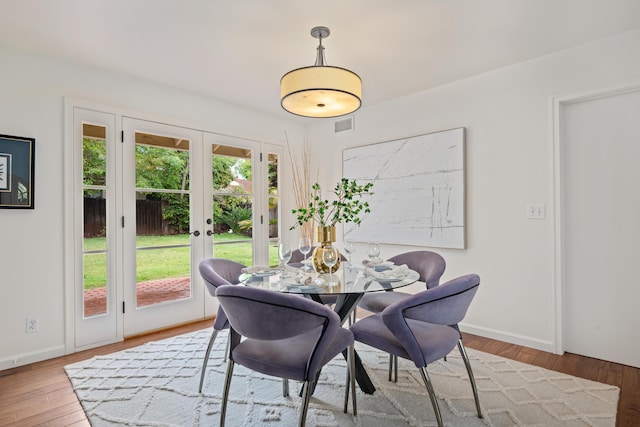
column 345, row 304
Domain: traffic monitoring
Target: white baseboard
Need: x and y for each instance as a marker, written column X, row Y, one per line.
column 26, row 358
column 508, row 337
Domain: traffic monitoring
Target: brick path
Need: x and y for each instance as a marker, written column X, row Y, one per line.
column 147, row 293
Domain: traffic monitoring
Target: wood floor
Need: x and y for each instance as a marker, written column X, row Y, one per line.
column 40, row 394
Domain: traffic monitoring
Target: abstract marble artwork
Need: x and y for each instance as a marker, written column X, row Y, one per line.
column 418, row 190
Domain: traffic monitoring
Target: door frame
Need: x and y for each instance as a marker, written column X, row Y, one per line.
column 70, row 201
column 559, row 277
column 69, row 224
column 69, row 207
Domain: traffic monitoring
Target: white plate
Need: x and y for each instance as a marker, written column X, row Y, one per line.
column 260, row 271
column 389, row 279
column 301, row 288
column 266, row 273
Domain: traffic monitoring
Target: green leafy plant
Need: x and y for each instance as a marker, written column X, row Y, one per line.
column 347, row 205
column 236, row 217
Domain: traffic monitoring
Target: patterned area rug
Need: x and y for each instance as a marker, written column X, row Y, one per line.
column 156, row 384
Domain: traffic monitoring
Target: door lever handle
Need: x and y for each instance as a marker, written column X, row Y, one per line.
column 209, row 233
column 195, row 233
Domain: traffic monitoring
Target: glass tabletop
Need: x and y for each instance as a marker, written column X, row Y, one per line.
column 351, row 283
column 349, row 279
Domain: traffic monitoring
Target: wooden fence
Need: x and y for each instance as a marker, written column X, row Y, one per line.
column 149, row 221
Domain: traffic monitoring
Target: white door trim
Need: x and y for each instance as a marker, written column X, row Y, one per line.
column 558, row 102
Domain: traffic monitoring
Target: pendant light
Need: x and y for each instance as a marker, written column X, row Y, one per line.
column 320, row 90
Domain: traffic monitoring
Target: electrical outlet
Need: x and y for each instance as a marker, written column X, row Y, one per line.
column 33, row 325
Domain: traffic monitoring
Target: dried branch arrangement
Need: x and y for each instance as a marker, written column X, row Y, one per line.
column 301, row 180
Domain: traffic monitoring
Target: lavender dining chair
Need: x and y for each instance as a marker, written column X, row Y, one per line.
column 284, row 336
column 217, row 272
column 424, row 328
column 429, row 265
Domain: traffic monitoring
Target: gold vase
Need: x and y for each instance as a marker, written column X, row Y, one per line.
column 324, row 236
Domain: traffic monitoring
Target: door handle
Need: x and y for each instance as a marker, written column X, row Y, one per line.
column 209, row 233
column 195, row 233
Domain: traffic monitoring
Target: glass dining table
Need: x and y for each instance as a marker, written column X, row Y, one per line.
column 343, row 289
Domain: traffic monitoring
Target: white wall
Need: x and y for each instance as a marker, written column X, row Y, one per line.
column 33, row 89
column 509, row 162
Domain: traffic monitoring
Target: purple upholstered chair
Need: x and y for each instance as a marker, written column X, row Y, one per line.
column 424, row 328
column 283, row 336
column 217, row 272
column 429, row 265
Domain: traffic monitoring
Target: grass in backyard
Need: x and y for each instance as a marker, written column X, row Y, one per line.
column 158, row 263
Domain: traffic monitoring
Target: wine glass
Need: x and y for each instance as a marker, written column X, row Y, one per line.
column 304, row 246
column 373, row 252
column 284, row 255
column 349, row 248
column 330, row 258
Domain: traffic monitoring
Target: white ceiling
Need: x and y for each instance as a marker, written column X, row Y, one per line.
column 237, row 50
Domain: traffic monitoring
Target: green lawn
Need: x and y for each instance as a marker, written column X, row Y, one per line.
column 156, row 263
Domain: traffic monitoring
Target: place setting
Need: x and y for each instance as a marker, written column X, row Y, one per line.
column 307, row 280
column 370, row 274
column 381, row 270
column 304, row 282
column 388, row 272
column 260, row 271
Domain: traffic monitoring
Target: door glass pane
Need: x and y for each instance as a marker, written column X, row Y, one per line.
column 163, row 243
column 94, row 179
column 232, row 204
column 273, row 202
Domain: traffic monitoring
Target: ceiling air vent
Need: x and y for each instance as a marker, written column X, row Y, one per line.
column 345, row 125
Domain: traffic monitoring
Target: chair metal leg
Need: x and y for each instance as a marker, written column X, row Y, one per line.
column 206, row 358
column 225, row 392
column 351, row 381
column 226, row 351
column 393, row 368
column 347, row 387
column 463, row 353
column 285, row 387
column 352, row 377
column 304, row 405
column 432, row 395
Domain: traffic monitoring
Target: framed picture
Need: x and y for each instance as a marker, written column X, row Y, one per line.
column 418, row 190
column 17, row 156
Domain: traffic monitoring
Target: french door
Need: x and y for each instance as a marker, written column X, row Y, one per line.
column 246, row 213
column 95, row 236
column 163, row 225
column 151, row 201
